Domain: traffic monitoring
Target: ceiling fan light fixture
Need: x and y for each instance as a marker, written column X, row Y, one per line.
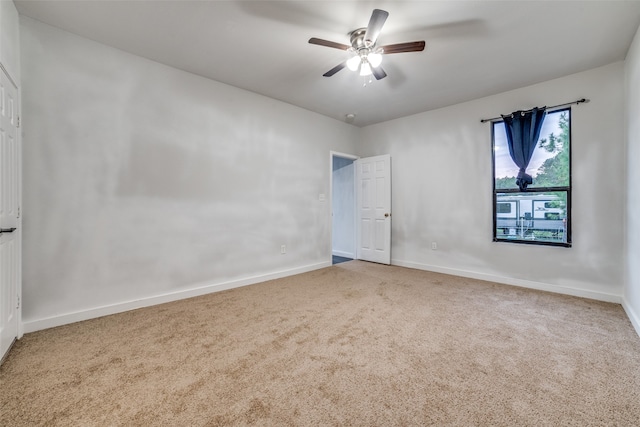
column 365, row 68
column 353, row 63
column 375, row 59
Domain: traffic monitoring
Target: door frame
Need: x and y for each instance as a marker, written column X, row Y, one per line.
column 353, row 157
column 18, row 231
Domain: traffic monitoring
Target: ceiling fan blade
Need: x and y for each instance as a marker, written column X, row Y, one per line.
column 335, row 69
column 403, row 47
column 378, row 73
column 378, row 17
column 328, row 43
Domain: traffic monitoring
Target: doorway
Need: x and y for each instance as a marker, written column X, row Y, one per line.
column 360, row 208
column 343, row 207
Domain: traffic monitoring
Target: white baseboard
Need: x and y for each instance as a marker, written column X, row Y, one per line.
column 633, row 316
column 600, row 296
column 63, row 319
column 344, row 254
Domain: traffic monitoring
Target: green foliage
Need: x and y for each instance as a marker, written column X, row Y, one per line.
column 552, row 144
column 556, row 204
column 561, row 203
column 508, row 182
column 554, row 172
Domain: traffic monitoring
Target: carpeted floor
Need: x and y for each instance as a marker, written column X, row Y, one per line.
column 352, row 344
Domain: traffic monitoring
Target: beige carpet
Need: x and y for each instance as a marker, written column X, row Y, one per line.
column 353, row 344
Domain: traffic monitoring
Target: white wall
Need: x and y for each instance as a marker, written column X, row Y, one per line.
column 632, row 90
column 442, row 189
column 10, row 39
column 143, row 181
column 344, row 208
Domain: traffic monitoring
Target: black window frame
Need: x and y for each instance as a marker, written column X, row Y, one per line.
column 533, row 190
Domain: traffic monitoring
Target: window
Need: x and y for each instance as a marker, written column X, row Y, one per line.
column 504, row 208
column 542, row 213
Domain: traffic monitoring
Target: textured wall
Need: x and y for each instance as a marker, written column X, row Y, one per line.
column 632, row 90
column 10, row 39
column 142, row 180
column 442, row 189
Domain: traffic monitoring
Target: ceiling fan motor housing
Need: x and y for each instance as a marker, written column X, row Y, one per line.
column 357, row 39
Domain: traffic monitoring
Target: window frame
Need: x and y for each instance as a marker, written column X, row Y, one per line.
column 533, row 190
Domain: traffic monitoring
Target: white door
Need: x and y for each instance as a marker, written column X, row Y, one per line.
column 373, row 195
column 9, row 213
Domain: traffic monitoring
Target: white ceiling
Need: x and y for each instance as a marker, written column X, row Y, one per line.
column 474, row 48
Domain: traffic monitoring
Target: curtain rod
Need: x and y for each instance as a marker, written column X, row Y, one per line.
column 579, row 101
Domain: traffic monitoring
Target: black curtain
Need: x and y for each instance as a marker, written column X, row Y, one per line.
column 523, row 131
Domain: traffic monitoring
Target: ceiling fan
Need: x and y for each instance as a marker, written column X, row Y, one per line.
column 366, row 55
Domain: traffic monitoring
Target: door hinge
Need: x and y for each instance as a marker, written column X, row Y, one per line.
column 18, row 306
column 18, row 124
column 18, row 212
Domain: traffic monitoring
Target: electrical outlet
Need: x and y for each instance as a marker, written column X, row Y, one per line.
column 434, row 246
column 283, row 249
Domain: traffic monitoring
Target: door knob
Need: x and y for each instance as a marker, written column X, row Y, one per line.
column 387, row 215
column 7, row 230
